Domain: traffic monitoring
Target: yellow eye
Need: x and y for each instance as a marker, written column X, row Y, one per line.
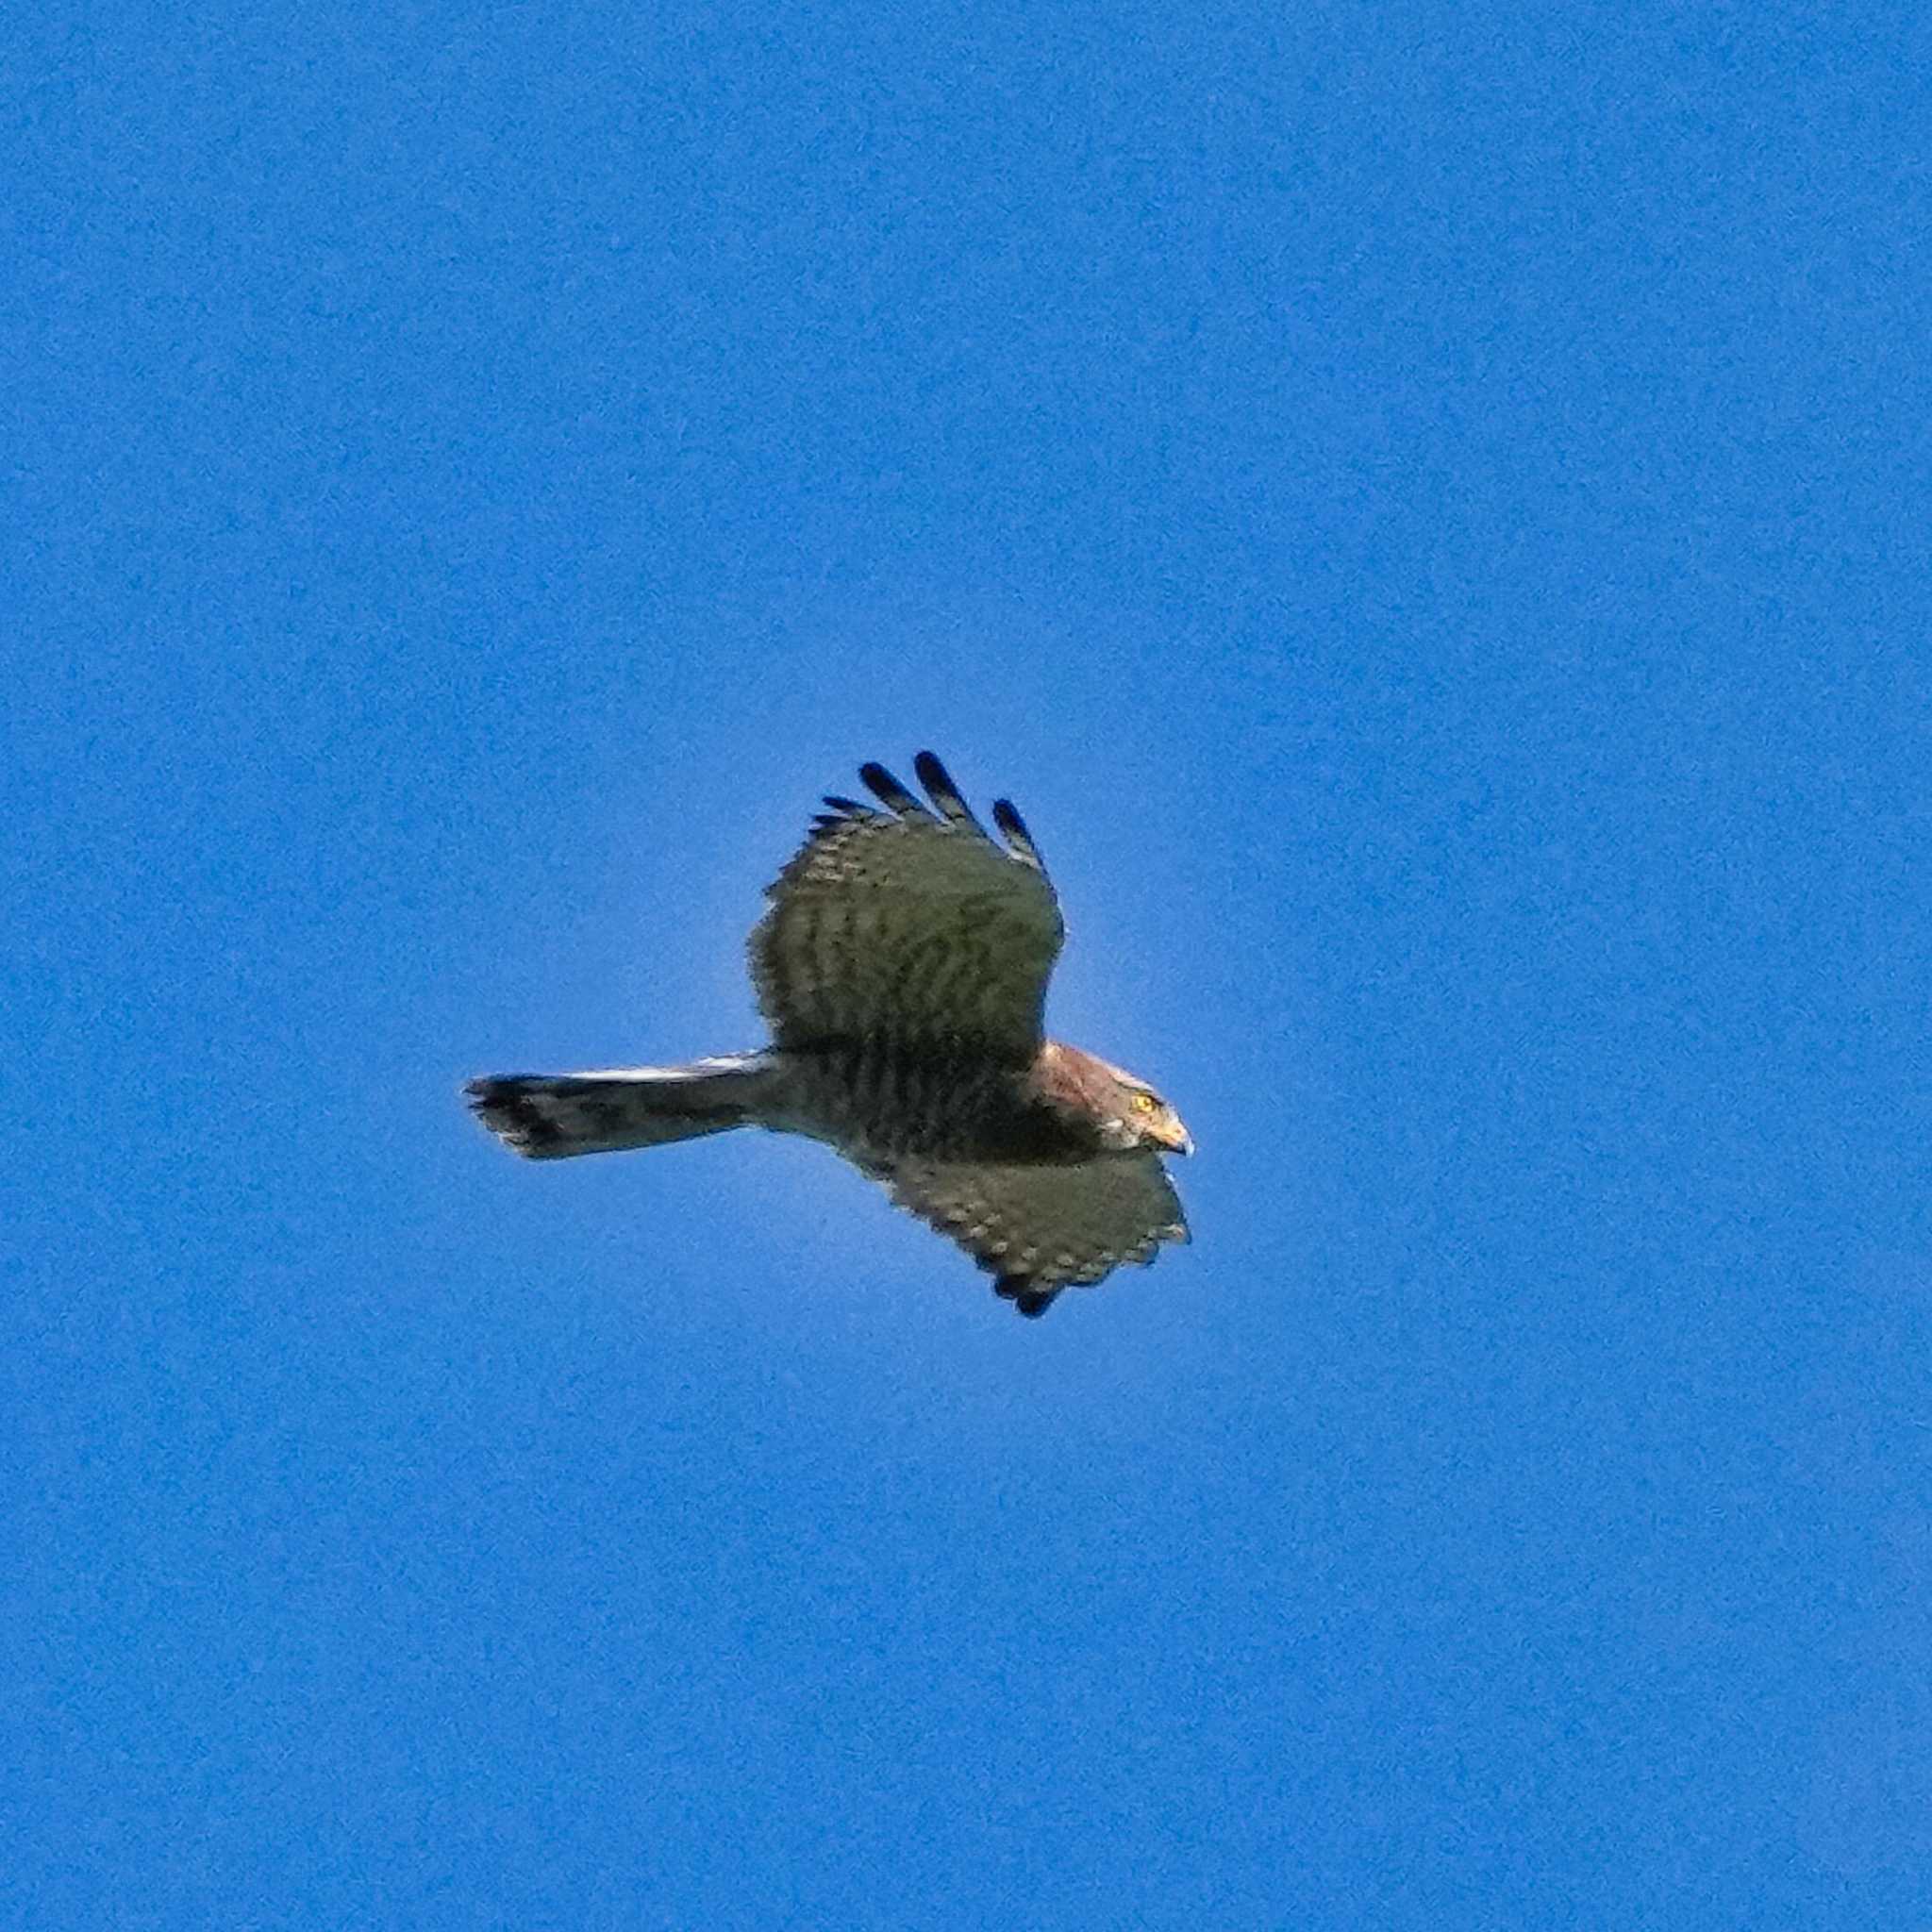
column 1143, row 1103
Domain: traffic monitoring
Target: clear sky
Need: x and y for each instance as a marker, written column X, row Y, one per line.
column 1426, row 509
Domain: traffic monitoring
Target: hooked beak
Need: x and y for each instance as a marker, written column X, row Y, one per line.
column 1179, row 1140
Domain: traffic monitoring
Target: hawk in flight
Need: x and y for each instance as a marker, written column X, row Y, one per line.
column 903, row 968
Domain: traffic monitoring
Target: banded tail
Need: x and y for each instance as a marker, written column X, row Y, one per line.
column 552, row 1116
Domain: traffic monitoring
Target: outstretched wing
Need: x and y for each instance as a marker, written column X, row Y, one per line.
column 906, row 923
column 1042, row 1227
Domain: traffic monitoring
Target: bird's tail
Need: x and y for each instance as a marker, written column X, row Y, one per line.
column 551, row 1116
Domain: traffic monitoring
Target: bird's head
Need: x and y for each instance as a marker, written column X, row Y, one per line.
column 1121, row 1107
column 1150, row 1121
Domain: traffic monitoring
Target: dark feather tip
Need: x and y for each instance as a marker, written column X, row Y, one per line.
column 943, row 792
column 1014, row 827
column 935, row 777
column 1031, row 1301
column 886, row 788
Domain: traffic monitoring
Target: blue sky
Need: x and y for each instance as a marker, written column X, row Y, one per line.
column 1426, row 515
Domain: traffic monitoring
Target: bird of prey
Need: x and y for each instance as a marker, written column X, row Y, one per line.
column 902, row 966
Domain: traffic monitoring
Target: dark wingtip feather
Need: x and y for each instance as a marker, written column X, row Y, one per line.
column 1018, row 837
column 889, row 792
column 1030, row 1300
column 943, row 792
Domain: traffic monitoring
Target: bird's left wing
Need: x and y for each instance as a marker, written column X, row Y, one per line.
column 1041, row 1226
column 906, row 923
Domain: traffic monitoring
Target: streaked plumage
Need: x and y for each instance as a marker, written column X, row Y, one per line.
column 902, row 966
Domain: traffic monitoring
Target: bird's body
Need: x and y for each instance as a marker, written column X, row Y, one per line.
column 903, row 966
